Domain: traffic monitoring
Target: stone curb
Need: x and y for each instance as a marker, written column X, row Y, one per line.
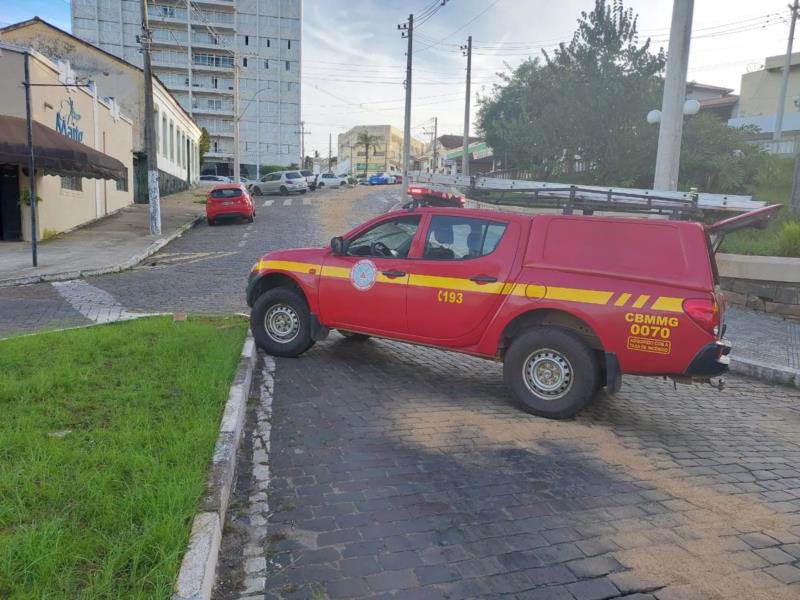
column 766, row 372
column 198, row 569
column 131, row 262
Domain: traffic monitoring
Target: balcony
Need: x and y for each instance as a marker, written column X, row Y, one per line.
column 202, row 108
column 206, row 40
column 170, row 37
column 213, row 62
column 215, row 18
column 166, row 14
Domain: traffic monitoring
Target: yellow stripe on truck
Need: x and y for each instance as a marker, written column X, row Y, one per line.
column 507, row 288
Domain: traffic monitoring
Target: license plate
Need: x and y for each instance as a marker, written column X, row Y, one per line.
column 227, row 204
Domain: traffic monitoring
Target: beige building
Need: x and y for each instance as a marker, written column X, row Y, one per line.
column 386, row 156
column 75, row 131
column 758, row 104
column 178, row 136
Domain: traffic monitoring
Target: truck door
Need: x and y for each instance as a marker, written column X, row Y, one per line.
column 458, row 283
column 365, row 289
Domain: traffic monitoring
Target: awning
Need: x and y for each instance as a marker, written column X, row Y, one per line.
column 54, row 154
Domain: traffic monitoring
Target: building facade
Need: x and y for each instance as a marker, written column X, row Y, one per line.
column 78, row 114
column 385, row 156
column 200, row 49
column 178, row 136
column 758, row 104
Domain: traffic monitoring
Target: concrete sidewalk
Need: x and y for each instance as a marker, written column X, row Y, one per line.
column 764, row 346
column 111, row 244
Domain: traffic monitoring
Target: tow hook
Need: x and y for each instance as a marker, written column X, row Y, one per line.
column 719, row 385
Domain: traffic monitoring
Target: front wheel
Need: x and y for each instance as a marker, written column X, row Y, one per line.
column 280, row 322
column 552, row 372
column 303, row 191
column 284, row 190
column 257, row 191
column 321, row 185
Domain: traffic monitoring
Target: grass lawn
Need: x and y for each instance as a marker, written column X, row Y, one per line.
column 105, row 437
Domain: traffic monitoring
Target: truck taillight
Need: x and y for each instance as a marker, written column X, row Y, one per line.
column 416, row 190
column 704, row 312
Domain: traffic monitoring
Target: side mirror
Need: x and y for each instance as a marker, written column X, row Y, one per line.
column 337, row 246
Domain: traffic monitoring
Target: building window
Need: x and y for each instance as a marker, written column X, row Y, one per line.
column 244, row 61
column 287, row 65
column 157, row 133
column 247, row 40
column 122, row 184
column 71, row 182
column 267, row 42
column 288, row 44
column 163, row 137
column 266, row 64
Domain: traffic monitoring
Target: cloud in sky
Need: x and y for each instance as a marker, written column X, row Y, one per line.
column 354, row 58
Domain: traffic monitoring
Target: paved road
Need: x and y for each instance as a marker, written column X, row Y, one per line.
column 204, row 271
column 401, row 472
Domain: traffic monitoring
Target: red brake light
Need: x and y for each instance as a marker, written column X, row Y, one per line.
column 704, row 312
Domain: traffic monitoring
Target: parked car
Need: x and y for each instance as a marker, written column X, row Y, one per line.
column 229, row 201
column 280, row 182
column 213, row 179
column 431, row 196
column 398, row 179
column 380, row 179
column 569, row 303
column 311, row 178
column 330, row 180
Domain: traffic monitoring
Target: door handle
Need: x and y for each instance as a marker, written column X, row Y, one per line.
column 483, row 279
column 394, row 274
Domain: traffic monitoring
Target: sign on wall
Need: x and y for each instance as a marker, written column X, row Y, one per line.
column 67, row 120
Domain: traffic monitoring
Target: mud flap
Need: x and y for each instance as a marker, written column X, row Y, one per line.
column 613, row 373
column 318, row 331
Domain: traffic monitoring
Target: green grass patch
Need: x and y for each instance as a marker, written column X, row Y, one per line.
column 105, row 437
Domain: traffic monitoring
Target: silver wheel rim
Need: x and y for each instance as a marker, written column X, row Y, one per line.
column 282, row 323
column 548, row 374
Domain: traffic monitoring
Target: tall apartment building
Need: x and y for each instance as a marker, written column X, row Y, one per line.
column 197, row 46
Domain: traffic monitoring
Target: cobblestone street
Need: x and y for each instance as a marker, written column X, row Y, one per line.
column 375, row 469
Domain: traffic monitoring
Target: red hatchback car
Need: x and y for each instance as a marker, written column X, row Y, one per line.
column 229, row 200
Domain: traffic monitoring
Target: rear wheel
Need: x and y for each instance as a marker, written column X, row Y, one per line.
column 252, row 217
column 303, row 191
column 284, row 190
column 257, row 191
column 210, row 222
column 321, row 184
column 281, row 322
column 552, row 372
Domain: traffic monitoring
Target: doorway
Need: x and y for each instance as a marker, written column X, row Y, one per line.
column 10, row 213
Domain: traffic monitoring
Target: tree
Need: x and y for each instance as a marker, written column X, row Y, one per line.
column 366, row 140
column 204, row 143
column 585, row 104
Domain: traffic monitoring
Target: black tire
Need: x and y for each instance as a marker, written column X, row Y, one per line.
column 355, row 337
column 283, row 190
column 286, row 302
column 303, row 191
column 565, row 360
column 321, row 184
column 257, row 191
column 210, row 222
column 251, row 218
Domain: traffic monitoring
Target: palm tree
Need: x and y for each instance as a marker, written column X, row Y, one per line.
column 366, row 140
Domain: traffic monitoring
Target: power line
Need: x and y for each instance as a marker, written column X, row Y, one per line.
column 455, row 31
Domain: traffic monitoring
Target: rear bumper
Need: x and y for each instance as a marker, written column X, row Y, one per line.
column 229, row 211
column 711, row 361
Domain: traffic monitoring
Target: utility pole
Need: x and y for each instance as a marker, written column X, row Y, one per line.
column 31, row 160
column 329, row 153
column 669, row 135
column 407, row 31
column 787, row 63
column 467, row 51
column 149, row 130
column 435, row 143
column 237, row 118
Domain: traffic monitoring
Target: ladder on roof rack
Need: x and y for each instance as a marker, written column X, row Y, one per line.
column 588, row 198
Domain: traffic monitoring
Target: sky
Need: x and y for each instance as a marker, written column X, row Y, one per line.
column 353, row 61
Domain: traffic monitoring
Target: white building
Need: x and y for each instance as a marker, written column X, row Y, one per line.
column 196, row 46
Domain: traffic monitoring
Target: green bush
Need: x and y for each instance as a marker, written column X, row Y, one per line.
column 789, row 239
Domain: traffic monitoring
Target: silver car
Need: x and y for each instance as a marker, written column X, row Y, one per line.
column 280, row 182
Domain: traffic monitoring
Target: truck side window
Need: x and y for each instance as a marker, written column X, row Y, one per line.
column 462, row 238
column 389, row 239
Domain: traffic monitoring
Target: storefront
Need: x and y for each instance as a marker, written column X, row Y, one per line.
column 82, row 149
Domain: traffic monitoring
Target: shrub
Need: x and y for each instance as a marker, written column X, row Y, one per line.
column 789, row 239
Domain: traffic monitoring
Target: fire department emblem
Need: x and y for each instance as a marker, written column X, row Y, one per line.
column 363, row 275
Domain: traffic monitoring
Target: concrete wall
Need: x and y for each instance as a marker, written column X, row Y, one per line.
column 764, row 283
column 101, row 127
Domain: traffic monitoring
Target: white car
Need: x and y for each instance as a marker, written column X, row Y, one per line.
column 280, row 182
column 213, row 179
column 330, row 180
